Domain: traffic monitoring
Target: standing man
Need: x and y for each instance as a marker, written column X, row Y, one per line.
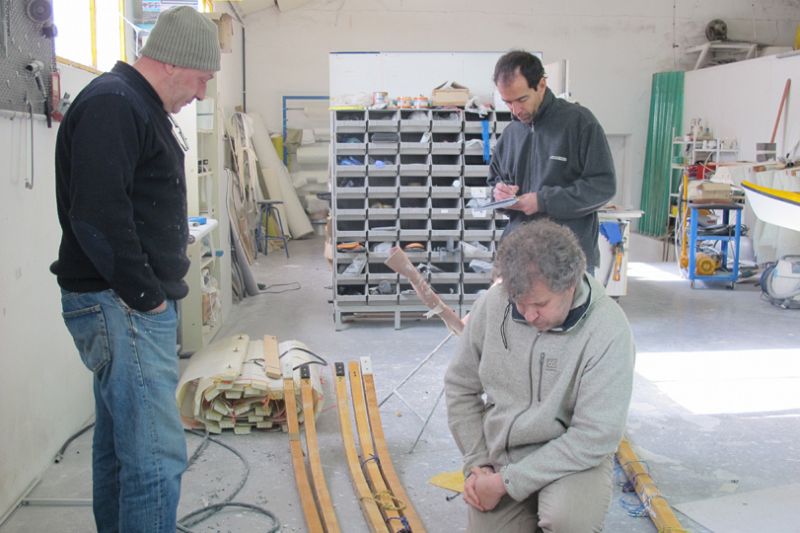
column 121, row 194
column 539, row 388
column 554, row 157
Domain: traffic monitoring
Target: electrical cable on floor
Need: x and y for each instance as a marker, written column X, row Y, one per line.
column 195, row 517
column 60, row 452
column 295, row 287
column 320, row 360
column 199, row 515
column 219, row 506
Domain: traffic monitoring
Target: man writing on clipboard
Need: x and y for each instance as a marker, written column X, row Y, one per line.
column 554, row 157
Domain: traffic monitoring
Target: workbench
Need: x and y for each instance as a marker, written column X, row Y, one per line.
column 697, row 236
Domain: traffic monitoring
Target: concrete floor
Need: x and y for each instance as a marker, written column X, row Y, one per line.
column 714, row 411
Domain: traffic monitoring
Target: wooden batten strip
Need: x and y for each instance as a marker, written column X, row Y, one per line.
column 365, row 499
column 312, row 448
column 657, row 506
column 369, row 460
column 392, row 479
column 313, row 522
column 271, row 358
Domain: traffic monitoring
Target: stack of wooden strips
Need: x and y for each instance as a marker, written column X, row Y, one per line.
column 236, row 383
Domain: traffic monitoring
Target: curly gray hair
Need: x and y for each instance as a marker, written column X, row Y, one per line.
column 540, row 251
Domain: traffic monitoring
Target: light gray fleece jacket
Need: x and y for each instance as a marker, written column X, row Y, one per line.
column 565, row 159
column 556, row 401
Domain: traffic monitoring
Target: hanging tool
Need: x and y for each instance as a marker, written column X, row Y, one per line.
column 35, row 68
column 29, row 184
column 612, row 231
column 618, row 262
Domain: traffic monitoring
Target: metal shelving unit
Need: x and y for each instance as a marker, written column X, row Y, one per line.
column 405, row 177
column 685, row 154
column 202, row 311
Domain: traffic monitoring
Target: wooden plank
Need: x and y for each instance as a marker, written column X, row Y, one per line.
column 369, row 460
column 312, row 449
column 392, row 479
column 272, row 365
column 656, row 505
column 365, row 498
column 298, row 462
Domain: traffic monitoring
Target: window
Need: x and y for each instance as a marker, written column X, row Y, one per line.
column 89, row 31
column 95, row 32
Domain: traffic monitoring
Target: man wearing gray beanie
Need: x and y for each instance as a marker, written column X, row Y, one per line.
column 121, row 198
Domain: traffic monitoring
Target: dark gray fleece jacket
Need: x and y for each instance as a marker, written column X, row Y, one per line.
column 564, row 157
column 556, row 401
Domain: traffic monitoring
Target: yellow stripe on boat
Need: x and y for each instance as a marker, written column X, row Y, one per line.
column 774, row 206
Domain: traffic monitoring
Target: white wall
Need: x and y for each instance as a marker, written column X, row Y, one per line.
column 613, row 47
column 45, row 391
column 740, row 100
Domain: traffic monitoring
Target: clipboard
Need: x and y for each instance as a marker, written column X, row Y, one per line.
column 499, row 204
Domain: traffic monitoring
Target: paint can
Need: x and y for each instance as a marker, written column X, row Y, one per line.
column 379, row 97
column 421, row 102
column 405, row 102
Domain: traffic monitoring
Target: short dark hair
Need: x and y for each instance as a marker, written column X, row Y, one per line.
column 528, row 64
column 540, row 250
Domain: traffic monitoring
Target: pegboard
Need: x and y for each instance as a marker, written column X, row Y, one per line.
column 22, row 40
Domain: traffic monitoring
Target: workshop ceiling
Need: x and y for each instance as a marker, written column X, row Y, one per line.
column 249, row 7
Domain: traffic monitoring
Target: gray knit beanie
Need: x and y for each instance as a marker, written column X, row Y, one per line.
column 185, row 38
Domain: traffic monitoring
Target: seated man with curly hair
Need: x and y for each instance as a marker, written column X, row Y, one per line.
column 539, row 388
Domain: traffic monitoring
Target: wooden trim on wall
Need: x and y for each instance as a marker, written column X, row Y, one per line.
column 75, row 64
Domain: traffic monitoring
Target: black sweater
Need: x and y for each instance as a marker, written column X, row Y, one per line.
column 565, row 159
column 121, row 194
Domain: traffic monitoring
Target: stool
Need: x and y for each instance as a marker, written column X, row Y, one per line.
column 267, row 207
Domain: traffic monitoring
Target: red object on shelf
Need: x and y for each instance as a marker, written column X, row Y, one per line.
column 698, row 171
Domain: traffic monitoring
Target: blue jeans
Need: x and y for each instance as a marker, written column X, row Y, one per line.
column 139, row 450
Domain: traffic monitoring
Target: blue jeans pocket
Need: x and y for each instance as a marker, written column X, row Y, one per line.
column 88, row 329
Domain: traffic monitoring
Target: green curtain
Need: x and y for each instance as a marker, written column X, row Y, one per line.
column 666, row 113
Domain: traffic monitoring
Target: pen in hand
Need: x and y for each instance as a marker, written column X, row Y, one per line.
column 504, row 190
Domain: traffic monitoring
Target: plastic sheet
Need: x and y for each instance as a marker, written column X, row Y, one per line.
column 666, row 114
column 279, row 184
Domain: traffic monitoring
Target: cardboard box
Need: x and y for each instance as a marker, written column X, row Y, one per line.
column 707, row 191
column 449, row 94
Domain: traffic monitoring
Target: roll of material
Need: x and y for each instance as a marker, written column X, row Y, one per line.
column 228, row 385
column 315, row 135
column 279, row 183
column 313, row 155
column 322, row 134
column 304, row 178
